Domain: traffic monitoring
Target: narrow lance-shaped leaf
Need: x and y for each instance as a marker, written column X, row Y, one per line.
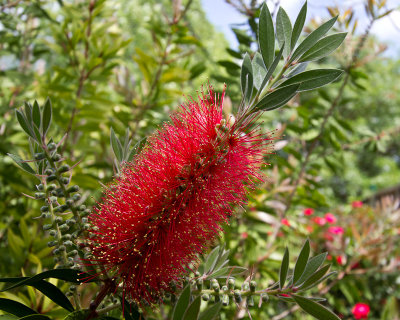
column 301, row 261
column 315, row 309
column 324, row 47
column 283, row 30
column 284, row 269
column 312, row 265
column 192, row 312
column 298, row 26
column 266, row 35
column 277, row 98
column 24, row 124
column 313, row 79
column 15, row 307
column 211, row 312
column 23, row 165
column 211, row 260
column 312, row 39
column 259, row 70
column 36, row 114
column 47, row 116
column 182, row 303
column 246, row 77
column 272, row 67
column 116, row 145
column 315, row 277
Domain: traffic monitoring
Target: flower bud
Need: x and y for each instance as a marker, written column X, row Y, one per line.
column 66, row 237
column 70, row 222
column 253, row 285
column 64, row 168
column 69, row 203
column 52, row 199
column 225, row 300
column 52, row 146
column 74, row 188
column 264, row 297
column 84, row 220
column 250, row 301
column 50, row 178
column 44, row 209
column 238, row 296
column 48, row 171
column 61, row 208
column 245, row 286
column 51, row 187
column 39, row 195
column 59, row 220
column 47, row 227
column 65, row 180
column 68, row 243
column 51, row 243
column 205, row 297
column 40, row 187
column 63, row 227
column 82, row 207
column 199, row 282
column 72, row 253
column 76, row 197
column 56, row 157
column 231, row 283
column 53, row 233
column 39, row 156
column 62, row 248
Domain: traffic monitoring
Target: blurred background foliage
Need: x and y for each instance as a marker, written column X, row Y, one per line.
column 129, row 63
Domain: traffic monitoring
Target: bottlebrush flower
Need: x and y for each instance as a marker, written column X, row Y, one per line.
column 357, row 204
column 308, row 211
column 320, row 221
column 168, row 205
column 336, row 230
column 361, row 311
column 330, row 218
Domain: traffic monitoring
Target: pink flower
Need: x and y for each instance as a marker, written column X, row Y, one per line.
column 330, row 218
column 336, row 230
column 360, row 311
column 339, row 260
column 285, row 222
column 244, row 235
column 320, row 221
column 357, row 204
column 308, row 211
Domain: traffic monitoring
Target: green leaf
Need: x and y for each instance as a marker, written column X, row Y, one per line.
column 259, row 70
column 277, row 98
column 312, row 265
column 48, row 289
column 8, row 317
column 298, row 26
column 313, row 79
column 47, row 116
column 116, row 145
column 299, row 68
column 35, row 317
column 192, row 312
column 315, row 309
column 310, row 282
column 15, row 308
column 266, row 36
column 246, row 77
column 136, row 149
column 24, row 124
column 78, row 315
column 283, row 30
column 23, row 165
column 211, row 260
column 272, row 67
column 36, row 114
column 228, row 272
column 74, row 276
column 312, row 39
column 284, row 269
column 301, row 261
column 182, row 303
column 211, row 312
column 324, row 47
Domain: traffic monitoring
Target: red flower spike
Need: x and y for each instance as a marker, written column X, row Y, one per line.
column 168, row 205
column 360, row 311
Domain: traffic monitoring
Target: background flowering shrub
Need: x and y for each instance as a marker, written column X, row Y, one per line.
column 120, row 64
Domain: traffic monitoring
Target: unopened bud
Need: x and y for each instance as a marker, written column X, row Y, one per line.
column 231, row 283
column 65, row 180
column 205, row 297
column 225, row 300
column 47, row 227
column 52, row 146
column 39, row 156
column 40, row 187
column 63, row 227
column 250, row 301
column 51, row 243
column 51, row 177
column 64, row 168
column 253, row 285
column 238, row 296
column 39, row 195
column 74, row 188
column 56, row 157
column 44, row 209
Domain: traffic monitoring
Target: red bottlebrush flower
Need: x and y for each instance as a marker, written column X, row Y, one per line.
column 336, row 230
column 285, row 222
column 357, row 204
column 168, row 205
column 360, row 311
column 340, row 260
column 330, row 218
column 320, row 221
column 308, row 211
